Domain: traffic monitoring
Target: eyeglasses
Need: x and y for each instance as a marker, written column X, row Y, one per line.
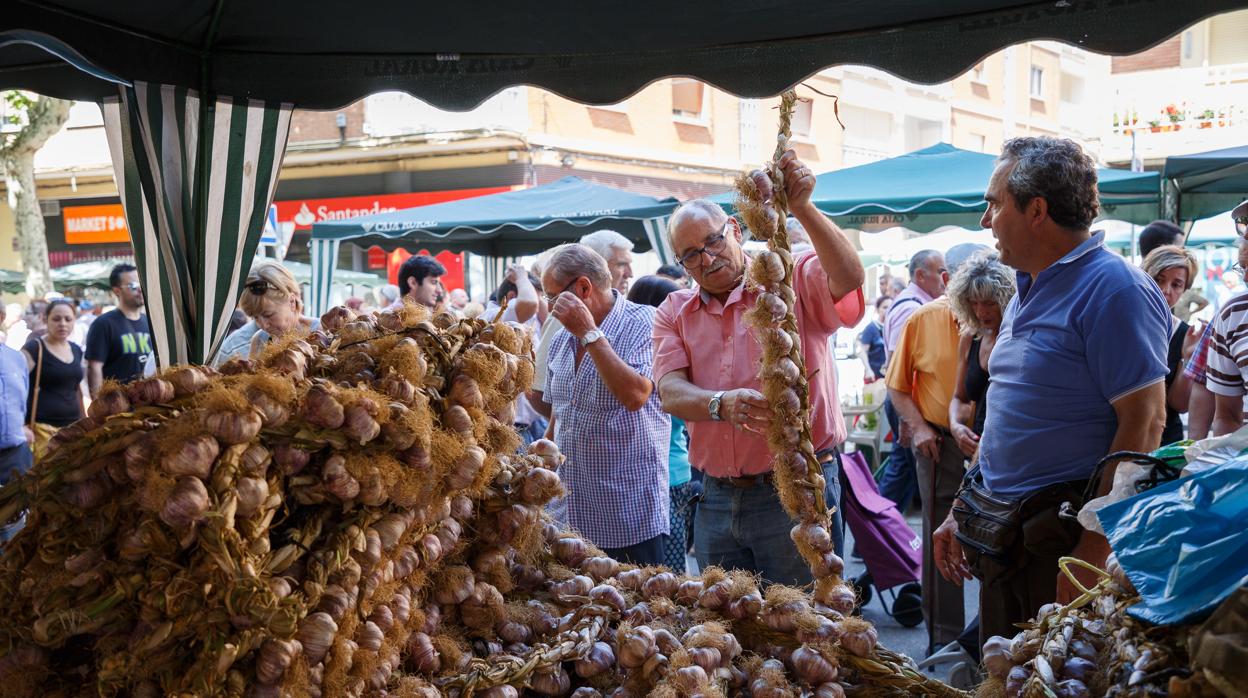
column 550, row 298
column 714, row 246
column 260, row 287
column 132, row 286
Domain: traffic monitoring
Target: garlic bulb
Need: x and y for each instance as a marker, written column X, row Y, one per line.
column 316, row 634
column 187, row 504
column 234, row 427
column 193, row 457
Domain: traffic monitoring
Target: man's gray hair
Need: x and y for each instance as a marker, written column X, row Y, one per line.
column 919, row 259
column 603, row 241
column 1058, row 171
column 982, row 277
column 574, row 259
column 695, row 207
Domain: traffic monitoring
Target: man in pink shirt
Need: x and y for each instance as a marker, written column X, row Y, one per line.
column 706, row 366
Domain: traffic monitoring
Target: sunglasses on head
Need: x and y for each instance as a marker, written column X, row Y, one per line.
column 260, row 287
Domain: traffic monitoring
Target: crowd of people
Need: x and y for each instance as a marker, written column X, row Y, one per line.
column 1010, row 374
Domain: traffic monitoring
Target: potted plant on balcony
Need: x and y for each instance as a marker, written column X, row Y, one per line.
column 1175, row 115
column 1206, row 118
column 1154, row 125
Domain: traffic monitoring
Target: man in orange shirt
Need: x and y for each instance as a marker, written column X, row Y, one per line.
column 920, row 379
column 706, row 366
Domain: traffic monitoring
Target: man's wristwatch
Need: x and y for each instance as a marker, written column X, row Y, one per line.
column 713, row 407
column 592, row 336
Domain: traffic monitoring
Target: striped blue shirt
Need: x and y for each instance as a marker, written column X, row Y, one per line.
column 616, row 469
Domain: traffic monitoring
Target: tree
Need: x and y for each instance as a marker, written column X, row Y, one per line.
column 38, row 119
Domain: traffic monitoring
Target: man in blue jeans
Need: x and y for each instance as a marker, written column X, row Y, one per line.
column 15, row 457
column 706, row 366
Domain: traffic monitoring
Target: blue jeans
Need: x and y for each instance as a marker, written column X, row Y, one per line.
column 13, row 463
column 747, row 529
column 647, row 552
column 899, row 482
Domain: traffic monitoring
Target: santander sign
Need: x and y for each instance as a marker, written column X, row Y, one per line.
column 304, row 212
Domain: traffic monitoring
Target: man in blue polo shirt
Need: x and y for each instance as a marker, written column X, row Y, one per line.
column 1077, row 373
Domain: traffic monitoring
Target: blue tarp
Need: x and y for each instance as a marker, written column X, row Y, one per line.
column 1209, row 183
column 1183, row 544
column 943, row 185
column 525, row 221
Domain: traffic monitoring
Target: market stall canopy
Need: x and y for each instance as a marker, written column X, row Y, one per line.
column 501, row 226
column 455, row 55
column 1208, row 183
column 519, row 222
column 943, row 185
column 12, row 281
column 85, row 274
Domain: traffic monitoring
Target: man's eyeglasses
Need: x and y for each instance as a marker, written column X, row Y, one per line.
column 714, row 246
column 132, row 286
column 550, row 298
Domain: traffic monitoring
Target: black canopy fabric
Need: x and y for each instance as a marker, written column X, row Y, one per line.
column 323, row 54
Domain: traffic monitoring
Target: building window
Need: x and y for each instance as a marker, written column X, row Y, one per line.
column 688, row 98
column 977, row 73
column 975, row 141
column 801, row 124
column 1037, row 82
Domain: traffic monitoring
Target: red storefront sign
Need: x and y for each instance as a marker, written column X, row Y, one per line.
column 376, row 258
column 305, row 212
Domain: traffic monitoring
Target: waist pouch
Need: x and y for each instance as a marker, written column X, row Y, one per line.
column 986, row 524
column 991, row 526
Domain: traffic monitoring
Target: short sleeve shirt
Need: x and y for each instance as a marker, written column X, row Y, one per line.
column 123, row 345
column 711, row 341
column 1090, row 329
column 1228, row 348
column 925, row 361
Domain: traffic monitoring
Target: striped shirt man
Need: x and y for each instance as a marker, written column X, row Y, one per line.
column 1228, row 348
column 616, row 472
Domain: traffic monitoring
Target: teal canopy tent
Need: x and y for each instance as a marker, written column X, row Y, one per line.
column 500, row 226
column 943, row 185
column 1208, row 183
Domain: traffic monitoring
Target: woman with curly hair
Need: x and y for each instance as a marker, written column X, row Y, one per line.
column 978, row 295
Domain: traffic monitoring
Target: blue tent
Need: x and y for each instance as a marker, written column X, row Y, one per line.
column 943, row 185
column 502, row 226
column 1208, row 183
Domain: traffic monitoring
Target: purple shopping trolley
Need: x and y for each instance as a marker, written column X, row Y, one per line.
column 890, row 549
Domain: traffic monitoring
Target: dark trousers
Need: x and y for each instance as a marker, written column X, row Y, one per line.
column 944, row 607
column 1013, row 589
column 647, row 552
column 898, row 482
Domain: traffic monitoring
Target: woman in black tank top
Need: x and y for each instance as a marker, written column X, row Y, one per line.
column 1174, row 269
column 979, row 294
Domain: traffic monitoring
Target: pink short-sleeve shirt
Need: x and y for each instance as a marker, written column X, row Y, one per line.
column 712, row 343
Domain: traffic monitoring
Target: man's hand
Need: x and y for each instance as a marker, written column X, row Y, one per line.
column 926, row 441
column 947, row 552
column 1091, row 548
column 515, row 271
column 968, row 440
column 572, row 313
column 799, row 181
column 746, row 409
column 1194, row 333
column 30, row 435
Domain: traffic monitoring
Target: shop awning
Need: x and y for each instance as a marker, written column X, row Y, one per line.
column 507, row 224
column 1208, row 183
column 320, row 54
column 943, row 185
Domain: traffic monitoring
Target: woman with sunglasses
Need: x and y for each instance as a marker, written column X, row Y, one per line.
column 273, row 299
column 55, row 398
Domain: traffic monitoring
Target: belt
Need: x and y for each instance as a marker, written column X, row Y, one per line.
column 750, row 481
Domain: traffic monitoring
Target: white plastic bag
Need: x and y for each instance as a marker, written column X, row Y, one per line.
column 1214, row 451
column 1126, row 476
